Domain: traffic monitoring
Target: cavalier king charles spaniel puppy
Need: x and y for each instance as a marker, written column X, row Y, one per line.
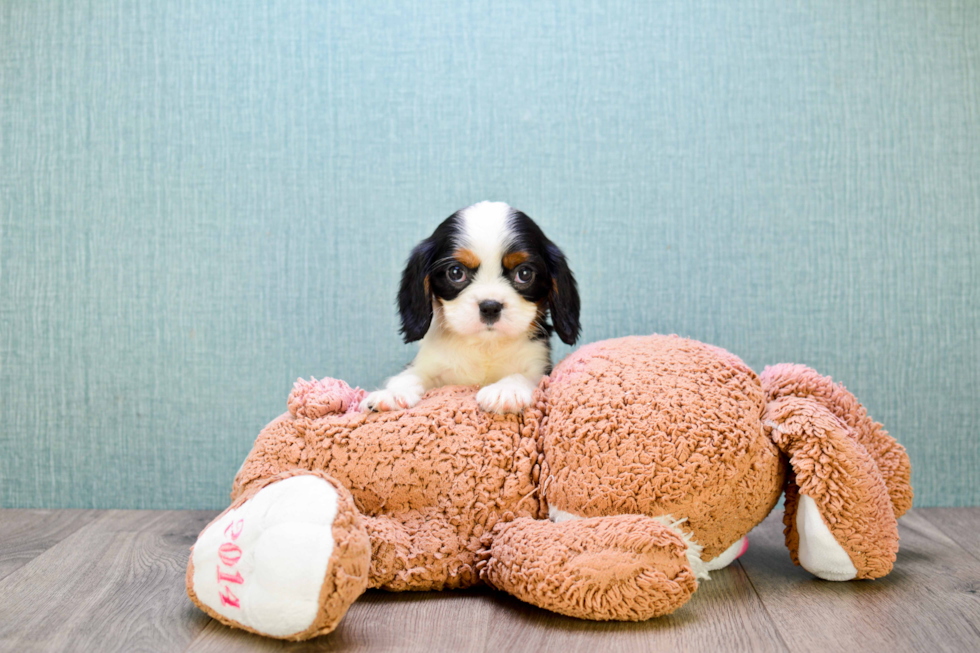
column 478, row 293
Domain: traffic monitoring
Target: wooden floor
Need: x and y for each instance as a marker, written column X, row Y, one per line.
column 114, row 581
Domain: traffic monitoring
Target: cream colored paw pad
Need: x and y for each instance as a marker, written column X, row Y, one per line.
column 819, row 552
column 263, row 564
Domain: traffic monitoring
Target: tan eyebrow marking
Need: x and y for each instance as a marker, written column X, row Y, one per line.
column 468, row 258
column 514, row 259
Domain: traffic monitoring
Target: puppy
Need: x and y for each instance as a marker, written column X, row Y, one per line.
column 478, row 293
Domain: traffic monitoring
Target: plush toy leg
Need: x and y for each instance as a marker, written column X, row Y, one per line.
column 786, row 380
column 623, row 567
column 285, row 560
column 419, row 551
column 840, row 523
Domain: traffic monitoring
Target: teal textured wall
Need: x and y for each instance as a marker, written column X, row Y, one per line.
column 201, row 201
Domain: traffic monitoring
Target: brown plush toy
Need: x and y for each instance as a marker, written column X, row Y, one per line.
column 641, row 466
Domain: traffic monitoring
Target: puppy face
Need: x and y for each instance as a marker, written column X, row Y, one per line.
column 491, row 273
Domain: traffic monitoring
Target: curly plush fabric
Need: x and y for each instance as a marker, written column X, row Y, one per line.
column 429, row 481
column 890, row 457
column 857, row 474
column 624, row 568
column 346, row 577
column 653, row 455
column 659, row 426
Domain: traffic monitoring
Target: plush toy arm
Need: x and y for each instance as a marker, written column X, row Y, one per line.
column 840, row 522
column 623, row 567
column 419, row 551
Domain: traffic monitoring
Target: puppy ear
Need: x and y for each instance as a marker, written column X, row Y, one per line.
column 563, row 299
column 414, row 294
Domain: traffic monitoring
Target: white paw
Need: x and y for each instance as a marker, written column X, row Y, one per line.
column 505, row 396
column 819, row 552
column 383, row 400
column 263, row 564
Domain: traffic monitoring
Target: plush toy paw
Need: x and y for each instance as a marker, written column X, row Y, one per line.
column 819, row 552
column 511, row 394
column 285, row 563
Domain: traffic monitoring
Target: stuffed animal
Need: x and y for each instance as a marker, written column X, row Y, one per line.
column 640, row 467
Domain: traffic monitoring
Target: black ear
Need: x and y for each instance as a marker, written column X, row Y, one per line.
column 563, row 299
column 415, row 295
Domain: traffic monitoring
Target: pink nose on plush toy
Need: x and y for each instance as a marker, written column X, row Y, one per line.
column 327, row 396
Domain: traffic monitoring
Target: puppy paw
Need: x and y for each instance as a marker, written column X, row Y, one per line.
column 505, row 396
column 385, row 400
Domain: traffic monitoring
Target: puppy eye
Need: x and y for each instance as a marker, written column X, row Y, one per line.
column 523, row 274
column 456, row 274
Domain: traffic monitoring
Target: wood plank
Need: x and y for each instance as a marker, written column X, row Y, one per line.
column 26, row 534
column 116, row 584
column 723, row 615
column 928, row 602
column 962, row 525
column 84, row 580
column 426, row 622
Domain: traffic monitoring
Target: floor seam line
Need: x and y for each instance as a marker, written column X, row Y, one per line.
column 772, row 620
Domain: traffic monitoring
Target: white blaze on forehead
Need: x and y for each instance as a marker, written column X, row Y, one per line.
column 485, row 231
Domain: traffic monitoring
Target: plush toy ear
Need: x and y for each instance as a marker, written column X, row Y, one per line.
column 563, row 299
column 415, row 293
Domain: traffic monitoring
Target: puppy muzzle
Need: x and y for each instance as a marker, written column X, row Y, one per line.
column 490, row 311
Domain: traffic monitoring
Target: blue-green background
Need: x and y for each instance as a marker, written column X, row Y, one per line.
column 201, row 201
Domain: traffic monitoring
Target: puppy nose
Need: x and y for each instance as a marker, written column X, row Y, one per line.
column 490, row 310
